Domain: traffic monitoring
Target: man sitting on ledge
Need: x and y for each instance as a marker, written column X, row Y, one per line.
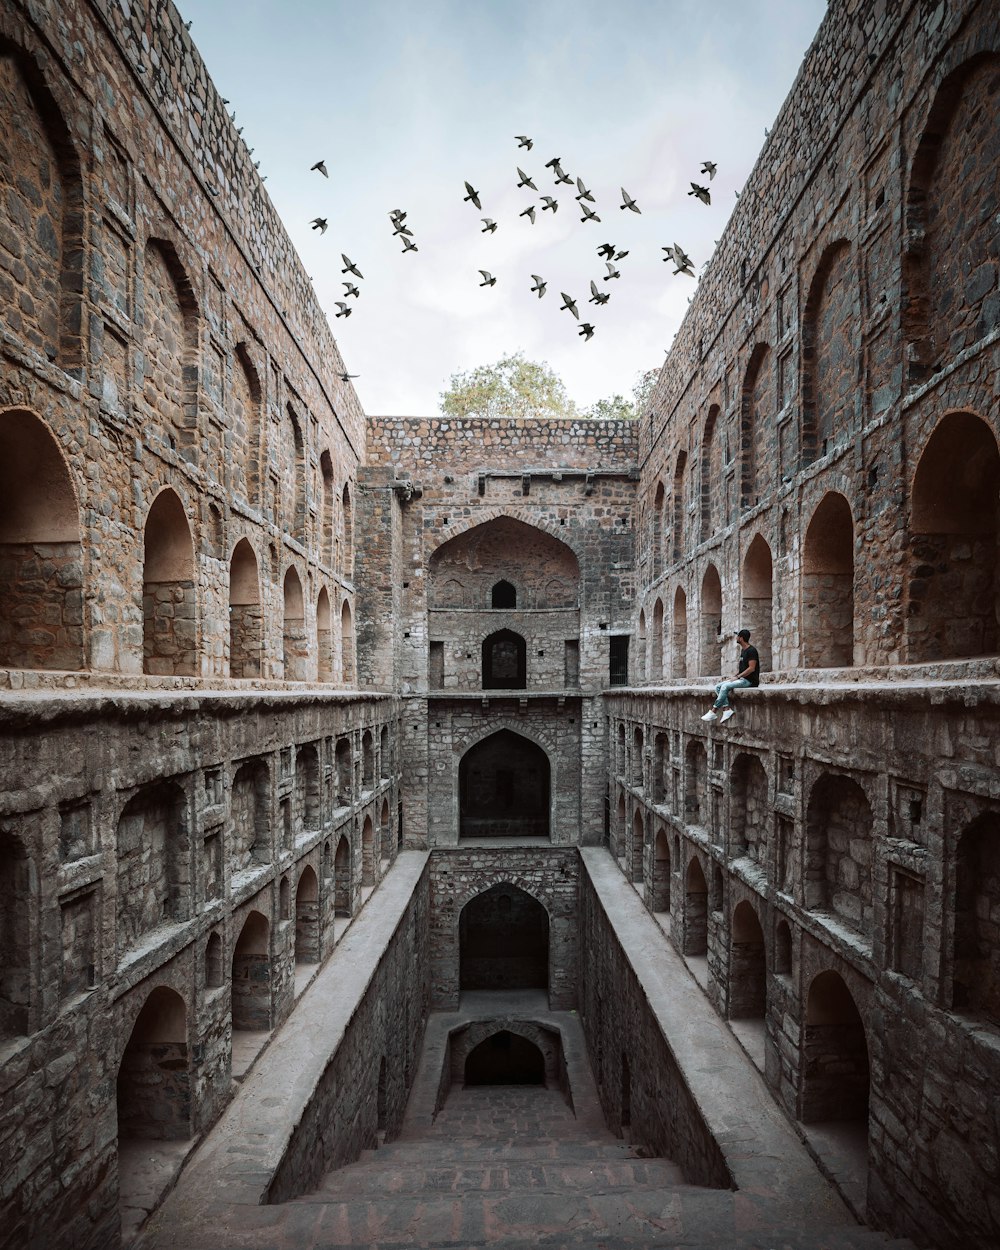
column 748, row 675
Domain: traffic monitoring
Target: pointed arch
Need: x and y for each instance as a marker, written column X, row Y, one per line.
column 171, row 320
column 695, row 937
column 709, row 659
column 678, row 634
column 828, row 353
column 712, row 481
column 251, row 975
column 307, row 939
column 679, row 500
column 246, row 407
column 349, row 672
column 756, row 411
column 153, row 1094
column 504, row 788
column 324, row 637
column 292, row 470
column 659, row 504
column 656, row 643
column 347, row 522
column 503, row 934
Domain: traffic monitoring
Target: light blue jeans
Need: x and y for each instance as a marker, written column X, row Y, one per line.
column 724, row 688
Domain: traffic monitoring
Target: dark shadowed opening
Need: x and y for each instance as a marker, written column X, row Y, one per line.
column 504, row 941
column 504, row 788
column 505, row 1059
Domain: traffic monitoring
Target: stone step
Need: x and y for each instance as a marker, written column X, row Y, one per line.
column 397, row 1177
column 588, row 1220
column 516, row 1149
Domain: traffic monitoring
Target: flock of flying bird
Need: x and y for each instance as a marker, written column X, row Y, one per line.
column 675, row 253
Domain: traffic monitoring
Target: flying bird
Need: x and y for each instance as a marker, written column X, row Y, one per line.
column 524, row 142
column 584, row 193
column 709, row 167
column 700, row 193
column 488, row 278
column 549, row 203
column 540, row 284
column 400, row 228
column 628, row 202
column 320, row 167
column 607, row 250
column 612, row 272
column 587, row 330
column 596, row 296
column 473, row 195
column 569, row 303
column 344, row 310
column 525, row 180
column 490, row 227
column 529, row 212
column 683, row 261
column 320, row 224
column 397, row 214
column 562, row 175
column 619, row 255
column 669, row 253
column 588, row 214
column 554, row 163
column 409, row 246
column 351, row 289
column 350, row 266
column 346, row 377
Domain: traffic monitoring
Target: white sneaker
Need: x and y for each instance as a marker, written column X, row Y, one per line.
column 710, row 715
column 726, row 715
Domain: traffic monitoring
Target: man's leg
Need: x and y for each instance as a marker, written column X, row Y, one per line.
column 722, row 694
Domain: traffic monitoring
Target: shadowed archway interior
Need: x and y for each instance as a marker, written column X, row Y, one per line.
column 505, row 1058
column 504, row 788
column 504, row 941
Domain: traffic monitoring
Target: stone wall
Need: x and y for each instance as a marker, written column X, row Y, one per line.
column 549, row 876
column 845, row 932
column 153, row 843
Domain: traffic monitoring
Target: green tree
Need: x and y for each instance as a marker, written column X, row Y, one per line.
column 513, row 387
column 617, row 408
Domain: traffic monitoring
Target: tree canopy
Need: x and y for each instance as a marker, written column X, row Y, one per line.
column 516, row 387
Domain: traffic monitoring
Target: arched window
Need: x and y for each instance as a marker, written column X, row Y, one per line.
column 324, row 638
column 678, row 635
column 503, row 595
column 504, row 661
column 828, row 585
column 295, row 649
column 504, row 788
column 503, row 941
column 246, row 620
column 755, row 598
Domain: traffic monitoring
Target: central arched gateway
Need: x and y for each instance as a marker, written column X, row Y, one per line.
column 503, row 941
column 503, row 786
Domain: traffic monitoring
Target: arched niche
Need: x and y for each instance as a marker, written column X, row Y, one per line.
column 638, row 844
column 507, row 549
column 369, row 853
column 347, row 645
column 835, row 1068
column 678, row 634
column 656, row 643
column 250, row 815
column 504, row 783
column 839, row 852
column 347, row 531
column 953, row 586
column 295, row 643
column 246, row 618
column 43, row 186
column 503, row 941
column 41, row 557
column 324, row 637
column 756, row 590
column 503, row 594
column 16, row 909
column 711, row 623
column 828, row 585
column 660, row 900
column 169, row 624
column 327, row 538
column 170, row 317
column 829, row 368
column 152, row 863
column 251, row 975
column 747, row 965
column 245, row 406
column 695, row 937
column 713, row 483
column 307, row 939
column 657, row 537
column 949, row 271
column 756, row 416
column 343, row 899
column 292, row 474
column 154, row 1077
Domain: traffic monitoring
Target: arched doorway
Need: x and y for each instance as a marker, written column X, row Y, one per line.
column 695, row 910
column 252, row 975
column 504, row 788
column 505, row 1058
column 756, row 598
column 295, row 644
column 835, row 1070
column 503, row 941
column 661, row 873
column 747, row 965
column 342, row 877
column 307, row 918
column 709, row 660
column 324, row 638
column 154, row 1077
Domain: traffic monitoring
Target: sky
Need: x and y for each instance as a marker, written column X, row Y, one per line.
column 404, row 102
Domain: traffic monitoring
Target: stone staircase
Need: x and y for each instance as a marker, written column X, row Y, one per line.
column 513, row 1166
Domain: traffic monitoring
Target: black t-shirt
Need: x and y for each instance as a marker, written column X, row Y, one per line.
column 746, row 655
